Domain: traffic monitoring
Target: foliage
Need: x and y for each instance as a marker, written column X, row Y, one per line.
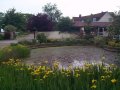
column 114, row 29
column 14, row 51
column 15, row 75
column 9, row 32
column 88, row 37
column 1, row 18
column 99, row 41
column 40, row 22
column 52, row 11
column 113, row 43
column 65, row 24
column 70, row 41
column 88, row 28
column 10, row 28
column 27, row 42
column 14, row 18
column 42, row 38
column 1, row 37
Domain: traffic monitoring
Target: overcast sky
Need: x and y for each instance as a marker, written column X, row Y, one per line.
column 68, row 7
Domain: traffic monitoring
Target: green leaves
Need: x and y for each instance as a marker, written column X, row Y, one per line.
column 52, row 11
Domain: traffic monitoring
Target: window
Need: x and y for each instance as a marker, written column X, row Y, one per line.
column 94, row 19
column 110, row 19
column 82, row 21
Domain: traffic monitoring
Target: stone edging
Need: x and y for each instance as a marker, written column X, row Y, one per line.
column 112, row 49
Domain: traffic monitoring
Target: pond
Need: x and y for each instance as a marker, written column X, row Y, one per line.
column 75, row 55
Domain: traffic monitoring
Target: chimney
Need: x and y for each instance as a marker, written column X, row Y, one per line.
column 80, row 15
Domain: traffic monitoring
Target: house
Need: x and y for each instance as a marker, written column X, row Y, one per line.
column 98, row 22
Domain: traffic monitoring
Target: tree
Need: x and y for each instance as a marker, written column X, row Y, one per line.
column 10, row 28
column 9, row 32
column 40, row 22
column 1, row 18
column 14, row 18
column 114, row 29
column 65, row 24
column 88, row 28
column 52, row 11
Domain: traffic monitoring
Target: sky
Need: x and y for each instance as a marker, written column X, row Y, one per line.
column 71, row 8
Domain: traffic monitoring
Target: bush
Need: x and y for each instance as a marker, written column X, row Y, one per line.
column 10, row 28
column 14, row 51
column 1, row 37
column 26, row 42
column 42, row 38
column 114, row 43
column 10, row 32
column 88, row 37
column 99, row 41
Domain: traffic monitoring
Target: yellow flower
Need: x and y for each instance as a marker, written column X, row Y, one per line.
column 108, row 76
column 114, row 81
column 77, row 70
column 77, row 75
column 45, row 76
column 93, row 86
column 88, row 65
column 102, row 77
column 94, row 81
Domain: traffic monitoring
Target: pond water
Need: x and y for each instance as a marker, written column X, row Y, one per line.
column 75, row 55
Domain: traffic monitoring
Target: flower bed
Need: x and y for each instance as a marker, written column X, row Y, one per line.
column 17, row 76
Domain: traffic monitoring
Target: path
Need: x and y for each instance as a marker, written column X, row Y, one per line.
column 4, row 43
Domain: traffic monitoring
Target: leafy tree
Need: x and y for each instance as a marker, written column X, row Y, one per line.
column 88, row 28
column 116, row 23
column 10, row 28
column 40, row 22
column 1, row 18
column 114, row 29
column 52, row 11
column 65, row 24
column 15, row 19
column 9, row 32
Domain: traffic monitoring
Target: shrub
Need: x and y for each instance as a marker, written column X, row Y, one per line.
column 99, row 41
column 26, row 42
column 88, row 37
column 42, row 38
column 1, row 37
column 114, row 43
column 10, row 28
column 10, row 32
column 111, row 43
column 14, row 51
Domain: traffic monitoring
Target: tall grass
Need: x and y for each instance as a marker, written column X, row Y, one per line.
column 17, row 76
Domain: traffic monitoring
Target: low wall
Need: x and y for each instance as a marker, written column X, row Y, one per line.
column 58, row 35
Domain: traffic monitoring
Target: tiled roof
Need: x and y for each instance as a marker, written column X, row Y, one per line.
column 97, row 16
column 79, row 24
column 78, row 20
